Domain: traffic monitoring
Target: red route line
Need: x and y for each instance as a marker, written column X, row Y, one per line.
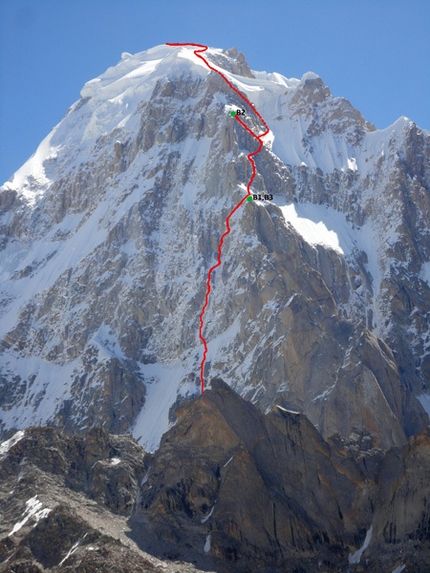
column 197, row 52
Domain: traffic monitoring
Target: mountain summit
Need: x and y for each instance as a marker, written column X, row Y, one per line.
column 322, row 301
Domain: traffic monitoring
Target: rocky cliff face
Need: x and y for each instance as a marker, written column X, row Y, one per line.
column 107, row 233
column 269, row 492
column 230, row 489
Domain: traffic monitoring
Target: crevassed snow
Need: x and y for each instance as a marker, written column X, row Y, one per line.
column 112, row 103
column 329, row 151
column 124, row 86
column 355, row 557
column 6, row 446
column 276, row 78
column 33, row 509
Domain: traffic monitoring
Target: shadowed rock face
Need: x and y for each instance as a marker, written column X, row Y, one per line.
column 230, row 483
column 65, row 501
column 230, row 489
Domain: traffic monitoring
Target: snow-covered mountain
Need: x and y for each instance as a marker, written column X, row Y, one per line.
column 322, row 301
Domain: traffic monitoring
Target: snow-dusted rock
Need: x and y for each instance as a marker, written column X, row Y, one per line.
column 108, row 231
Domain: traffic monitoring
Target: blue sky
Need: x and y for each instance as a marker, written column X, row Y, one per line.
column 376, row 53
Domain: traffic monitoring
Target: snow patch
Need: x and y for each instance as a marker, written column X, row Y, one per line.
column 355, row 557
column 295, row 412
column 224, row 339
column 207, row 546
column 399, row 569
column 162, row 388
column 316, row 224
column 324, row 395
column 204, row 520
column 352, row 163
column 424, row 400
column 107, row 343
column 323, row 225
column 310, row 76
column 6, row 446
column 33, row 509
column 70, row 552
column 425, row 273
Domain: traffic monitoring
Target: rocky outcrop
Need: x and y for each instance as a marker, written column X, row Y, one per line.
column 107, row 468
column 403, row 509
column 65, row 542
column 229, row 490
column 255, row 491
column 64, row 504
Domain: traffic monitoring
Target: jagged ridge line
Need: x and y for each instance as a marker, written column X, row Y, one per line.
column 197, row 52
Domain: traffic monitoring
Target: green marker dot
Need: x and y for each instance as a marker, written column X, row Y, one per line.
column 232, row 113
column 249, row 198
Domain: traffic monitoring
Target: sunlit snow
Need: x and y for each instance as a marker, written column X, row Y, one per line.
column 310, row 222
column 6, row 446
column 33, row 510
column 352, row 163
